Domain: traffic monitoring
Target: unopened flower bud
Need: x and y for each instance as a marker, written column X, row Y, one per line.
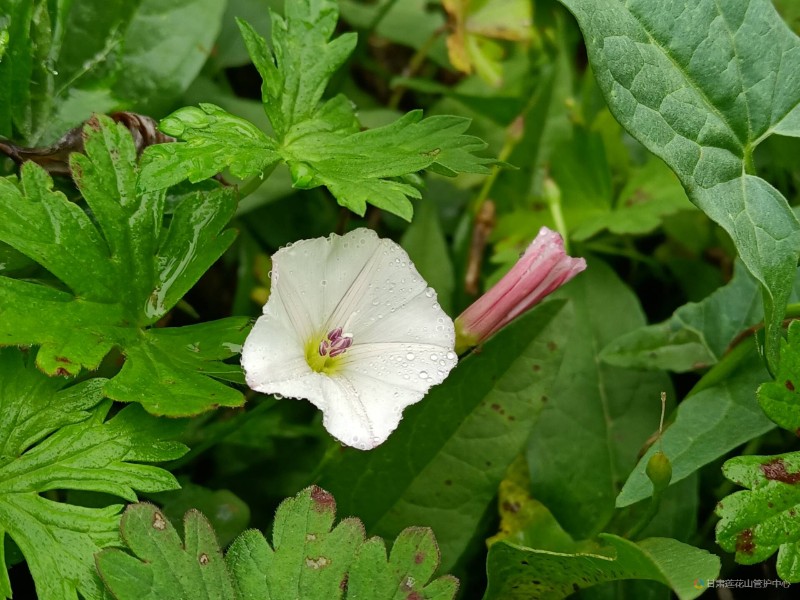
column 542, row 269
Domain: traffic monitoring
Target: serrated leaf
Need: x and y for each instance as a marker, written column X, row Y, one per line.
column 780, row 399
column 462, row 437
column 243, row 147
column 54, row 437
column 520, row 573
column 757, row 522
column 698, row 334
column 700, row 86
column 123, row 272
column 708, row 424
column 309, row 559
column 321, row 143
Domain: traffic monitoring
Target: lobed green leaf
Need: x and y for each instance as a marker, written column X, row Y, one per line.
column 55, row 436
column 118, row 273
column 757, row 522
column 779, row 398
column 309, row 559
column 321, row 142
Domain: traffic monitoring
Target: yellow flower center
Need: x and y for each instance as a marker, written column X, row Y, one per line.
column 323, row 354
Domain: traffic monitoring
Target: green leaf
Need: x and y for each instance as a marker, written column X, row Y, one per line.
column 166, row 44
column 691, row 83
column 55, row 437
column 26, row 78
column 133, row 55
column 427, row 247
column 757, row 522
column 708, row 424
column 778, row 398
column 219, row 141
column 123, row 272
column 461, row 437
column 519, row 573
column 698, row 334
column 302, row 61
column 651, row 193
column 321, row 143
column 227, row 513
column 608, row 412
column 171, row 567
column 308, row 559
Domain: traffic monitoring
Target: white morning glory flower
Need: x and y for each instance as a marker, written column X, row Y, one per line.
column 351, row 326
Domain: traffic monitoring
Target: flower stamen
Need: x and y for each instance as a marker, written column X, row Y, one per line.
column 333, row 345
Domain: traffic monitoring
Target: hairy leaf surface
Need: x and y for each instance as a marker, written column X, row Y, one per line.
column 309, row 558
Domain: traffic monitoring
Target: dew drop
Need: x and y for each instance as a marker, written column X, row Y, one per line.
column 409, row 356
column 429, row 292
column 451, row 355
column 434, row 357
column 375, row 302
column 423, row 374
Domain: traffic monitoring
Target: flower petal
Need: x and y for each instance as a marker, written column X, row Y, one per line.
column 361, row 411
column 366, row 291
column 273, row 354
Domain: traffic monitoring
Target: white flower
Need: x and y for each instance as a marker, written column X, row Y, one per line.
column 351, row 326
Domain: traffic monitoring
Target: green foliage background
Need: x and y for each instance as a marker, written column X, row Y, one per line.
column 659, row 138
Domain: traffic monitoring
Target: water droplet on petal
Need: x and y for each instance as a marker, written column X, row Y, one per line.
column 434, row 357
column 409, row 356
column 451, row 355
column 429, row 292
column 423, row 374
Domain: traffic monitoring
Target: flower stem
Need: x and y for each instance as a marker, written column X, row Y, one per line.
column 552, row 194
column 513, row 138
column 382, row 11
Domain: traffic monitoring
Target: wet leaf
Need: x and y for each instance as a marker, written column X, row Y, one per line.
column 118, row 273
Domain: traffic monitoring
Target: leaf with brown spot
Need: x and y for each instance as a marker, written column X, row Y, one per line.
column 309, row 558
column 763, row 518
column 778, row 398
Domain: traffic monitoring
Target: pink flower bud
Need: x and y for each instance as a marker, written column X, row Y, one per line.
column 542, row 269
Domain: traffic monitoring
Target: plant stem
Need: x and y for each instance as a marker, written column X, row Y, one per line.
column 413, row 66
column 509, row 144
column 652, row 511
column 382, row 11
column 252, row 184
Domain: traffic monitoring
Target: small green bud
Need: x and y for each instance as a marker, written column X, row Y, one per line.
column 659, row 471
